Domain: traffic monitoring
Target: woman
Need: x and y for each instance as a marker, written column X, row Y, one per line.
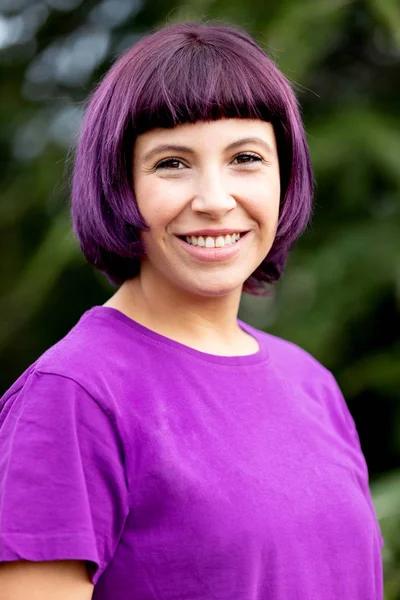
column 163, row 449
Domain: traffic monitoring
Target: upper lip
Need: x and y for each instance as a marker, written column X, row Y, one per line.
column 213, row 232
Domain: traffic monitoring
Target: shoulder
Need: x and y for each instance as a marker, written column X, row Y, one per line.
column 303, row 373
column 73, row 384
column 290, row 358
column 92, row 342
column 300, row 371
column 310, row 382
column 92, row 358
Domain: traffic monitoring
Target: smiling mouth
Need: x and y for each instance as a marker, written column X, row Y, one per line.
column 208, row 241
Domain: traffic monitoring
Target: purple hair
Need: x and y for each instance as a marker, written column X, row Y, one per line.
column 181, row 74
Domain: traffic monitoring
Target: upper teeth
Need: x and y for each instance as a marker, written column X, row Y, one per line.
column 213, row 242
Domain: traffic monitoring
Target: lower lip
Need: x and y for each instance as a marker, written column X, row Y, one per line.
column 213, row 254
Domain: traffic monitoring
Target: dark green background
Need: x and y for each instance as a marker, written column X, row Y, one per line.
column 340, row 296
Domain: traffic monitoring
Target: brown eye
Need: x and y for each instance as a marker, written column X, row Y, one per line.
column 172, row 164
column 247, row 158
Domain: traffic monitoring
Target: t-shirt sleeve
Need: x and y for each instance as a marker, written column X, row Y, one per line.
column 63, row 489
column 345, row 423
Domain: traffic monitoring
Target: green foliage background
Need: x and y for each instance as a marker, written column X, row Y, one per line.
column 341, row 294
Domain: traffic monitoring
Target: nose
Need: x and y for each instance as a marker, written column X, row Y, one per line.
column 212, row 197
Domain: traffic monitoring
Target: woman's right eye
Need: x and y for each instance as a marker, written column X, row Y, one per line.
column 172, row 164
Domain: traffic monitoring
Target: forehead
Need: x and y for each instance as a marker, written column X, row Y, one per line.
column 201, row 134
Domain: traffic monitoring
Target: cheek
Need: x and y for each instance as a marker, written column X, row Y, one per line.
column 159, row 202
column 266, row 202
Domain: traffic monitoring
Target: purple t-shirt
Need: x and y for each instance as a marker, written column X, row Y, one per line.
column 179, row 474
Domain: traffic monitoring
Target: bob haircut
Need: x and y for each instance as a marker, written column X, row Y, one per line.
column 182, row 73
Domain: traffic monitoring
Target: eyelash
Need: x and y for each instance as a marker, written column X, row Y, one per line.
column 163, row 164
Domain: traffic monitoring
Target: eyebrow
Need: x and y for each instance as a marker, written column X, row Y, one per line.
column 188, row 150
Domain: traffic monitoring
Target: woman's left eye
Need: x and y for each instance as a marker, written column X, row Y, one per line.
column 247, row 158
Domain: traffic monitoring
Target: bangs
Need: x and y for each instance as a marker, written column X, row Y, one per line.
column 202, row 83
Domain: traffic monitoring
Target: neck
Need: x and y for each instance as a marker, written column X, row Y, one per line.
column 203, row 322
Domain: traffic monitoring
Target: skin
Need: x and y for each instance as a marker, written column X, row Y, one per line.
column 211, row 184
column 53, row 580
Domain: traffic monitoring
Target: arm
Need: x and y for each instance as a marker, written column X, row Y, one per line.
column 63, row 489
column 55, row 580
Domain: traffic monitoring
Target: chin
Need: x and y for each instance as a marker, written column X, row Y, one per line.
column 215, row 288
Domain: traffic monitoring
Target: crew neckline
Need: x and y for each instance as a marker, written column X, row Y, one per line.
column 107, row 312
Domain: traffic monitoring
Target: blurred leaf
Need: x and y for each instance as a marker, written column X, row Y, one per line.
column 37, row 280
column 388, row 13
